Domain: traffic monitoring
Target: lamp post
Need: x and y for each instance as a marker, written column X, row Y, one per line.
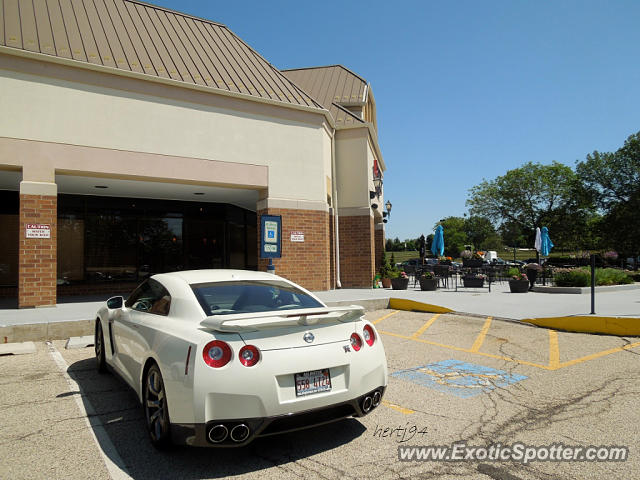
column 388, row 207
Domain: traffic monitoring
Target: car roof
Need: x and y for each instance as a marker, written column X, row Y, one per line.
column 217, row 275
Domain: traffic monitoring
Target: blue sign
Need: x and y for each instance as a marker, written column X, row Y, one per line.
column 458, row 378
column 270, row 240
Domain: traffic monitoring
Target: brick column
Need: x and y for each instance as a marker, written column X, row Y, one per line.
column 306, row 263
column 379, row 245
column 37, row 256
column 357, row 251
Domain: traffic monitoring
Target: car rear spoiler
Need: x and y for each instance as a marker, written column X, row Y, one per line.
column 250, row 322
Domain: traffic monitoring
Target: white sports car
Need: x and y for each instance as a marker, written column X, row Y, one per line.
column 220, row 357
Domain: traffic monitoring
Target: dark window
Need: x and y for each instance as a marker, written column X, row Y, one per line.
column 150, row 297
column 223, row 298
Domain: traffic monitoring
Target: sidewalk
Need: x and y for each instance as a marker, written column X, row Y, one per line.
column 76, row 318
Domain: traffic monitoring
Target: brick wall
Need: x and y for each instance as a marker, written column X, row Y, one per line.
column 379, row 241
column 332, row 252
column 356, row 251
column 37, row 256
column 305, row 263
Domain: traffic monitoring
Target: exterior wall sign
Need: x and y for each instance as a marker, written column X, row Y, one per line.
column 271, row 227
column 37, row 230
column 297, row 236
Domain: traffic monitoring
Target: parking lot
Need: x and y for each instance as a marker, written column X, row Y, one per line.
column 452, row 378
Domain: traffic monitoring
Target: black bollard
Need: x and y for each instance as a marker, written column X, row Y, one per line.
column 593, row 284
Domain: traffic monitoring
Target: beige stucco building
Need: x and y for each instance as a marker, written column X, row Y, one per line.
column 136, row 139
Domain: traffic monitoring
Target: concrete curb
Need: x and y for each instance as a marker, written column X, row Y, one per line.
column 38, row 332
column 586, row 290
column 619, row 326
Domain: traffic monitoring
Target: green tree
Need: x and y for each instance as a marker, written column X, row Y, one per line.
column 535, row 195
column 613, row 182
column 481, row 233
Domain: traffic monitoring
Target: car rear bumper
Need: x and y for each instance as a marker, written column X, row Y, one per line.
column 201, row 435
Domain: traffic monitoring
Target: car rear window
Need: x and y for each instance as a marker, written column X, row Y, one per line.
column 225, row 298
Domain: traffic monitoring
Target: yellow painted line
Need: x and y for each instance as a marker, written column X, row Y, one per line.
column 413, row 306
column 599, row 354
column 400, row 409
column 625, row 327
column 483, row 333
column 426, row 326
column 468, row 350
column 375, row 322
column 554, row 350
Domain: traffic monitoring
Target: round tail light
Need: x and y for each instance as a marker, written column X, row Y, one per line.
column 369, row 335
column 249, row 355
column 356, row 341
column 216, row 354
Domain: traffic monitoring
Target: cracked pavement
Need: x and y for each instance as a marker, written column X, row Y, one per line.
column 45, row 434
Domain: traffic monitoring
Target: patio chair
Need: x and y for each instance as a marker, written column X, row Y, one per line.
column 442, row 274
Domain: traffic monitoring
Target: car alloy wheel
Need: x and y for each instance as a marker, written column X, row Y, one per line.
column 155, row 408
column 99, row 348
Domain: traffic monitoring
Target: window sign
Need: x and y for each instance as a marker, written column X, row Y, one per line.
column 271, row 226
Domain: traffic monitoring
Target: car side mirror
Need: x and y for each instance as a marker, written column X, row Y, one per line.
column 114, row 303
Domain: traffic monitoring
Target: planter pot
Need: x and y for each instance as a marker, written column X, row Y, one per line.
column 473, row 282
column 386, row 283
column 519, row 286
column 399, row 283
column 472, row 262
column 428, row 284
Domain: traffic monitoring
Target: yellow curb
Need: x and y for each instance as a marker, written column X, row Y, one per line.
column 413, row 306
column 624, row 327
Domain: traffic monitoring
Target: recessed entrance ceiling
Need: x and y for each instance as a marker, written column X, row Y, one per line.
column 110, row 187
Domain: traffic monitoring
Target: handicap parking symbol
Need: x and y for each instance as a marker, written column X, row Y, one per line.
column 458, row 378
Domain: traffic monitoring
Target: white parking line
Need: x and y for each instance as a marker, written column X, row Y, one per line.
column 110, row 456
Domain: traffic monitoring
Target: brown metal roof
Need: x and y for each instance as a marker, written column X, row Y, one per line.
column 333, row 86
column 135, row 36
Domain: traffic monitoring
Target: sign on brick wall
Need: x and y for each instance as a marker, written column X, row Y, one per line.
column 37, row 230
column 297, row 236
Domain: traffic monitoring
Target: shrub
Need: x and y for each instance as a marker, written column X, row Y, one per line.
column 581, row 277
column 512, row 271
column 611, row 276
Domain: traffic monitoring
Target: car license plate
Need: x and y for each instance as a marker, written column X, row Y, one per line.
column 315, row 381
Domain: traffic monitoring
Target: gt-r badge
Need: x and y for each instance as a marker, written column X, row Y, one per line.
column 308, row 337
column 346, row 349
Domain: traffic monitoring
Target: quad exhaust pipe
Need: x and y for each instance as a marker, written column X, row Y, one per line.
column 220, row 433
column 371, row 401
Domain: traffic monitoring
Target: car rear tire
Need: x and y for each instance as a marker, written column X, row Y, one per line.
column 98, row 343
column 156, row 411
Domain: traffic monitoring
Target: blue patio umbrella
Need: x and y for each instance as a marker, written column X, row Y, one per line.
column 545, row 242
column 437, row 245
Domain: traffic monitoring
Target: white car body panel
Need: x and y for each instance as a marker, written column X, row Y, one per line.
column 197, row 393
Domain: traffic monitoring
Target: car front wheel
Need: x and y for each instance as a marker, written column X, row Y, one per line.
column 98, row 343
column 155, row 409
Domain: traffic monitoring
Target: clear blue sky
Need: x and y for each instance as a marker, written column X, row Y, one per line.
column 465, row 90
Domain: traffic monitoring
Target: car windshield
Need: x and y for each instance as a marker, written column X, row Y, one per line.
column 225, row 298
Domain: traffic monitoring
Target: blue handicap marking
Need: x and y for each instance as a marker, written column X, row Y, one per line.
column 462, row 379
